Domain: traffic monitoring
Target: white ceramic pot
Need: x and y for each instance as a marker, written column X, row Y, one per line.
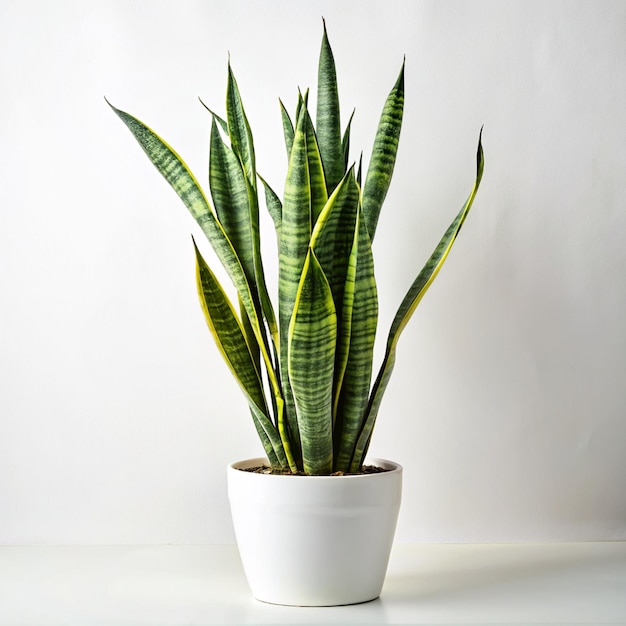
column 314, row 540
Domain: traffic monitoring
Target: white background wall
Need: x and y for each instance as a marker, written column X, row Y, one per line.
column 507, row 407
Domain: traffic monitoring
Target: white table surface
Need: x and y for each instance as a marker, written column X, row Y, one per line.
column 581, row 583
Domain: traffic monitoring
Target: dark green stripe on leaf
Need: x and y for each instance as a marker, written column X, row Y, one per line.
column 230, row 197
column 294, row 242
column 384, row 153
column 327, row 120
column 312, row 339
column 407, row 307
column 360, row 317
column 231, row 342
column 288, row 130
column 239, row 128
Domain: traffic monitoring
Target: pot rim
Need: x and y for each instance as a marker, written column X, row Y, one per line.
column 392, row 467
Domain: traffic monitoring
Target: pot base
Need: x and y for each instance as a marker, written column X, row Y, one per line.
column 304, row 606
column 315, row 540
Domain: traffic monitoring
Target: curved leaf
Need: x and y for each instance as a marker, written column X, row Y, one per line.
column 288, row 130
column 293, row 246
column 407, row 307
column 236, row 205
column 231, row 342
column 274, row 206
column 177, row 174
column 221, row 121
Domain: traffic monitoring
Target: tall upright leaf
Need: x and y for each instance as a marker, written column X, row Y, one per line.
column 384, row 153
column 341, row 244
column 294, row 242
column 407, row 307
column 312, row 339
column 227, row 181
column 359, row 321
column 327, row 120
column 307, row 376
column 267, row 308
column 239, row 128
column 243, row 147
column 236, row 206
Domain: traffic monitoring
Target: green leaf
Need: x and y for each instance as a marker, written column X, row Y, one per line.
column 288, row 130
column 312, row 340
column 274, row 206
column 258, row 419
column 384, row 153
column 333, row 235
column 266, row 303
column 235, row 176
column 317, row 180
column 231, row 342
column 332, row 242
column 230, row 197
column 239, row 129
column 178, row 175
column 236, row 204
column 327, row 120
column 250, row 335
column 342, row 247
column 345, row 142
column 305, row 196
column 356, row 338
column 407, row 307
column 303, row 101
column 243, row 147
column 293, row 247
column 222, row 122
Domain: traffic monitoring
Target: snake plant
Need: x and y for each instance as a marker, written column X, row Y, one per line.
column 306, row 371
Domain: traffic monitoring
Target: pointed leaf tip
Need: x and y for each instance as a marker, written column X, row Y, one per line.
column 115, row 109
column 400, row 82
column 480, row 157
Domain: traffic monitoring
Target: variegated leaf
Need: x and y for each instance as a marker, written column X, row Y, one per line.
column 312, row 340
column 407, row 307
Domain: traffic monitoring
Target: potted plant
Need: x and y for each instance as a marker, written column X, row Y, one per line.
column 314, row 524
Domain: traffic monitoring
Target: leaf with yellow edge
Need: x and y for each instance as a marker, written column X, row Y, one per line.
column 406, row 309
column 312, row 340
column 229, row 336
